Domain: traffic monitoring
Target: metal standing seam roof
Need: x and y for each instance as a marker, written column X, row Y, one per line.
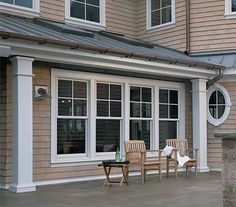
column 54, row 31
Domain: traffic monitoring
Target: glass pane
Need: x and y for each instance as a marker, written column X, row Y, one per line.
column 115, row 92
column 212, row 109
column 140, row 130
column 102, row 108
column 146, row 110
column 80, row 89
column 166, row 15
column 107, row 135
column 221, row 110
column 163, row 111
column 115, row 109
column 7, row 1
column 233, row 5
column 24, row 3
column 92, row 13
column 155, row 18
column 167, row 130
column 80, row 108
column 134, row 109
column 163, row 96
column 173, row 97
column 102, row 91
column 221, row 99
column 70, row 136
column 173, row 112
column 93, row 2
column 146, row 94
column 64, row 88
column 64, row 107
column 77, row 10
column 134, row 93
column 155, row 4
column 166, row 3
column 213, row 98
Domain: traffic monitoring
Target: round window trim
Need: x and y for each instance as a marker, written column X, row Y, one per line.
column 228, row 104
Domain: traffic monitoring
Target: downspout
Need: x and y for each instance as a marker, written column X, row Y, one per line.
column 218, row 77
column 187, row 51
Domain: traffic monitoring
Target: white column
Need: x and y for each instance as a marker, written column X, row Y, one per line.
column 22, row 125
column 200, row 121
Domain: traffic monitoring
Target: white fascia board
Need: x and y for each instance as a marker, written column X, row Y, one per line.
column 5, row 51
column 64, row 55
column 229, row 75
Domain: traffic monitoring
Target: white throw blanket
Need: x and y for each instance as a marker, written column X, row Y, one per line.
column 181, row 160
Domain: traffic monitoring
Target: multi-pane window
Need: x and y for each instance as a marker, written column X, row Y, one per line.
column 86, row 10
column 72, row 101
column 161, row 12
column 109, row 115
column 168, row 115
column 141, row 113
column 23, row 3
column 217, row 104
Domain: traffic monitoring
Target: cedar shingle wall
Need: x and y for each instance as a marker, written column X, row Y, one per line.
column 213, row 144
column 209, row 28
column 5, row 125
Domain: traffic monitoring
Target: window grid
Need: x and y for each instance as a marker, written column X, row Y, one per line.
column 14, row 3
column 216, row 105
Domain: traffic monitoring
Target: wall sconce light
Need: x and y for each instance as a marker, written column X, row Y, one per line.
column 41, row 92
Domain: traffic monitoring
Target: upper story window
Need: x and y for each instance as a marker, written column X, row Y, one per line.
column 160, row 14
column 86, row 13
column 28, row 7
column 230, row 8
column 218, row 104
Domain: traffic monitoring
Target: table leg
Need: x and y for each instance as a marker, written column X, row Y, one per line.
column 107, row 171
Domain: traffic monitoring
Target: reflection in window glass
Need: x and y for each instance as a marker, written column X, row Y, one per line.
column 85, row 9
column 141, row 130
column 217, row 104
column 161, row 12
column 23, row 3
column 233, row 5
column 167, row 130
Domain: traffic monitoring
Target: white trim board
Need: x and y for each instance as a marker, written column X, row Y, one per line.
column 65, row 55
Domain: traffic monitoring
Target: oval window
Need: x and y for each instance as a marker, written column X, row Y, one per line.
column 218, row 104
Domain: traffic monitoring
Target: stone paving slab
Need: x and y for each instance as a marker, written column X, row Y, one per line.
column 205, row 191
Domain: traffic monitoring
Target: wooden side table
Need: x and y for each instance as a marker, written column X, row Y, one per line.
column 108, row 165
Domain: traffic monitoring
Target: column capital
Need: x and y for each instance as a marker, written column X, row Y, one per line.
column 21, row 58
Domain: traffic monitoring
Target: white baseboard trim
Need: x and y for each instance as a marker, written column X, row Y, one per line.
column 215, row 169
column 5, row 187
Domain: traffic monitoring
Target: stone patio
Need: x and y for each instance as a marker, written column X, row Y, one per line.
column 205, row 190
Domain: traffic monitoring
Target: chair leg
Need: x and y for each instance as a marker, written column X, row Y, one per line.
column 160, row 173
column 127, row 174
column 196, row 169
column 175, row 169
column 167, row 167
column 142, row 176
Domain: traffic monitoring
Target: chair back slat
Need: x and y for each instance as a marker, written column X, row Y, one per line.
column 180, row 144
column 133, row 149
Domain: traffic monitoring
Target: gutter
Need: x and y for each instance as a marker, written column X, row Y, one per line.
column 104, row 50
column 218, row 77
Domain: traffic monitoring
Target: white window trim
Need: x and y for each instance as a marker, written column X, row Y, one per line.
column 168, row 25
column 228, row 10
column 92, row 78
column 15, row 9
column 228, row 104
column 85, row 23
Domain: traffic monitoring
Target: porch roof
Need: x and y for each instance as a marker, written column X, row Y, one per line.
column 59, row 34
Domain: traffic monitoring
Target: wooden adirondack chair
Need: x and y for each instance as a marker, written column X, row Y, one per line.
column 181, row 145
column 136, row 153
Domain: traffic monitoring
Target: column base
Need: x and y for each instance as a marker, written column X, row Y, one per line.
column 203, row 169
column 22, row 188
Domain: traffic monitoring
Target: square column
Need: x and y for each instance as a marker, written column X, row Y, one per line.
column 199, row 108
column 22, row 125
